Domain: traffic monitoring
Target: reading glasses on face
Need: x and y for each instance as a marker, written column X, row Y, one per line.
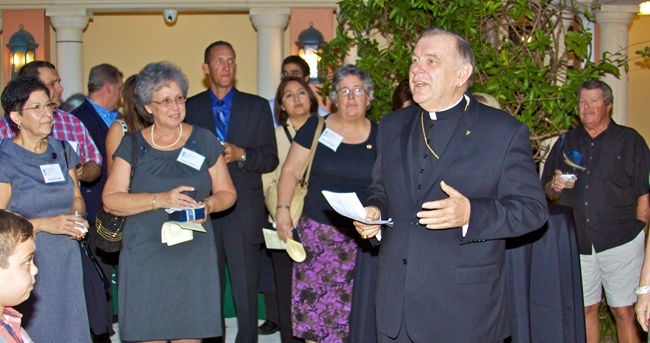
column 166, row 102
column 40, row 108
column 357, row 91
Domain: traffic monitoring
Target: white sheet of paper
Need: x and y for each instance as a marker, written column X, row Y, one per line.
column 272, row 240
column 349, row 205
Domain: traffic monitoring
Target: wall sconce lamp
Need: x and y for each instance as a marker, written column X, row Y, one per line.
column 644, row 8
column 22, row 47
column 310, row 43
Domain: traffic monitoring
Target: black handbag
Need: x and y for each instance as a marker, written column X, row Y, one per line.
column 95, row 283
column 109, row 226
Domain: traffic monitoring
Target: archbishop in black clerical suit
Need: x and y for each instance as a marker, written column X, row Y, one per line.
column 444, row 286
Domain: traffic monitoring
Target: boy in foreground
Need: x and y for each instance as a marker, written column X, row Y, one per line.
column 17, row 273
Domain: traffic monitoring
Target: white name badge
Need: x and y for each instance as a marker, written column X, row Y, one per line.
column 52, row 173
column 75, row 146
column 191, row 158
column 330, row 139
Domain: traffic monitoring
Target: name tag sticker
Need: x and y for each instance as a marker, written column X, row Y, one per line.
column 330, row 139
column 75, row 146
column 191, row 158
column 52, row 173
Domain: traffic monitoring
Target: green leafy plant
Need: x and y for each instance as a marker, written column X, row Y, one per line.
column 607, row 324
column 531, row 55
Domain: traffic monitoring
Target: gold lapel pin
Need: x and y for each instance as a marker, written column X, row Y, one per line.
column 369, row 146
column 467, row 132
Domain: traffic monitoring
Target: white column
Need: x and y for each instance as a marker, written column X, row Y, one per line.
column 69, row 25
column 614, row 22
column 270, row 24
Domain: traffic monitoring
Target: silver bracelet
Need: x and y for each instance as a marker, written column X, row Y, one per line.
column 642, row 290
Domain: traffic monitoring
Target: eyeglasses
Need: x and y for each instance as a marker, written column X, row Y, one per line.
column 357, row 91
column 296, row 73
column 166, row 102
column 40, row 108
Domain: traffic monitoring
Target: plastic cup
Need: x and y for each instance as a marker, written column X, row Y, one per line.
column 82, row 222
column 569, row 180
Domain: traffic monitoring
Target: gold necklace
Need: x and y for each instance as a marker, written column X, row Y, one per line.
column 424, row 133
column 180, row 134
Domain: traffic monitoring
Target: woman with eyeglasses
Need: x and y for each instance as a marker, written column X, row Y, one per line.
column 38, row 180
column 167, row 292
column 345, row 153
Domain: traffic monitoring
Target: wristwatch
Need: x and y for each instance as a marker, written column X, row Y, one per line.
column 241, row 161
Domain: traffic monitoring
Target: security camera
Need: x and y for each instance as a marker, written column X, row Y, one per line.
column 170, row 16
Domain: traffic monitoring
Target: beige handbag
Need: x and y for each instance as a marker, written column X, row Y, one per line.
column 300, row 190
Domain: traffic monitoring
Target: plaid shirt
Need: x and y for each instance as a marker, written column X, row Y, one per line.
column 10, row 330
column 65, row 127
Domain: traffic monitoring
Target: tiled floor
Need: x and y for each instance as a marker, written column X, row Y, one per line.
column 231, row 328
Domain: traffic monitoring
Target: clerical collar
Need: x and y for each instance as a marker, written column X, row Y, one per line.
column 434, row 115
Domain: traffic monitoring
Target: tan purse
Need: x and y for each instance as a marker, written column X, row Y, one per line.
column 300, row 190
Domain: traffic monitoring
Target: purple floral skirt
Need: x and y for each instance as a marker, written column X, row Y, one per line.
column 322, row 284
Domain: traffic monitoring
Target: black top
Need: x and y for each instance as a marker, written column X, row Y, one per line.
column 604, row 198
column 346, row 170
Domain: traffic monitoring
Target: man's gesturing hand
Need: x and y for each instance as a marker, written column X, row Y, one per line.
column 448, row 213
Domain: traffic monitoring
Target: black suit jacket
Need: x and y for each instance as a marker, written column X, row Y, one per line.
column 451, row 288
column 251, row 128
column 92, row 191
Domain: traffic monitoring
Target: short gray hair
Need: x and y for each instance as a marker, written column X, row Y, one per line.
column 608, row 95
column 463, row 48
column 351, row 70
column 102, row 74
column 152, row 78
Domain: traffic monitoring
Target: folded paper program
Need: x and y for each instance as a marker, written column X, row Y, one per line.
column 173, row 232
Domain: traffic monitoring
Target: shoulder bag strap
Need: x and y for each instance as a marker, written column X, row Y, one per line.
column 286, row 132
column 312, row 151
column 65, row 155
column 134, row 156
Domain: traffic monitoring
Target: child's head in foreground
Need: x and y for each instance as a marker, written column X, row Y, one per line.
column 17, row 269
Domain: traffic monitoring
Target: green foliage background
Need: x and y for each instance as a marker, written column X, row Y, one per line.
column 524, row 55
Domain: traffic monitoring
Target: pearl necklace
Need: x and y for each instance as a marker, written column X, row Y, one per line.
column 180, row 134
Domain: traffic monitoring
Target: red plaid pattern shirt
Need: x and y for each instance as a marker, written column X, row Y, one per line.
column 65, row 127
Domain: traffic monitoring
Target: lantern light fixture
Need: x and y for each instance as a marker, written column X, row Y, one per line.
column 644, row 8
column 22, row 49
column 310, row 43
